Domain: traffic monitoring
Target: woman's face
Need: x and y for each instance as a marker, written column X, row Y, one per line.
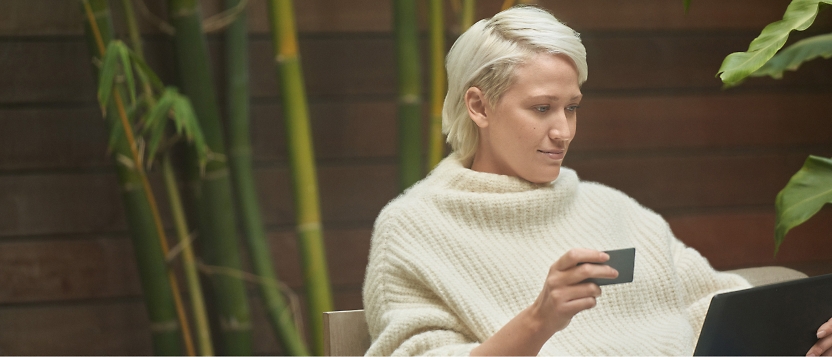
column 526, row 134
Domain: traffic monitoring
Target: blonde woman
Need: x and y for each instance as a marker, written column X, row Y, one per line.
column 483, row 256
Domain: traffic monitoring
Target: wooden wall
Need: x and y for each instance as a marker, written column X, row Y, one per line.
column 654, row 124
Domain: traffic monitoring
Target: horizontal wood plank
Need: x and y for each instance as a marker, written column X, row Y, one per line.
column 688, row 122
column 76, row 137
column 49, row 270
column 672, row 183
column 48, row 203
column 340, row 67
column 59, row 138
column 25, row 18
column 732, row 240
column 78, row 269
column 96, row 328
column 88, row 268
column 37, row 204
column 113, row 328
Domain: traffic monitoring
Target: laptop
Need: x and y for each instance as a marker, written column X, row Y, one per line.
column 778, row 319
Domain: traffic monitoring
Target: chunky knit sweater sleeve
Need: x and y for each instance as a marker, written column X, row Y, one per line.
column 407, row 318
column 701, row 282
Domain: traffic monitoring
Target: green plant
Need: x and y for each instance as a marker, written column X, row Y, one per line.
column 211, row 190
column 436, row 146
column 150, row 244
column 811, row 187
column 302, row 162
column 185, row 113
column 241, row 164
column 409, row 92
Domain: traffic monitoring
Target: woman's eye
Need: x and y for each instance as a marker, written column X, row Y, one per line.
column 541, row 108
column 572, row 108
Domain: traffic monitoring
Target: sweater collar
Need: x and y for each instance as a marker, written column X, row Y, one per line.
column 457, row 176
column 497, row 201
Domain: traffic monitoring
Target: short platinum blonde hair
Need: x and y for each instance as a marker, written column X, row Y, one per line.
column 486, row 55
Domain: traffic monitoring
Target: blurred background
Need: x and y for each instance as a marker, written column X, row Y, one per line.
column 654, row 124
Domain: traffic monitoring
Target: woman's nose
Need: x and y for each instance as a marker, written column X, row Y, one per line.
column 559, row 127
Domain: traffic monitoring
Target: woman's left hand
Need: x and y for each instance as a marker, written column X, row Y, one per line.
column 824, row 345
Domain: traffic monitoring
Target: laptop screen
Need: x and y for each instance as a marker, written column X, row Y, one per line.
column 777, row 319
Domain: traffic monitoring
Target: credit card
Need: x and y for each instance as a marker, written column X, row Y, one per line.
column 624, row 261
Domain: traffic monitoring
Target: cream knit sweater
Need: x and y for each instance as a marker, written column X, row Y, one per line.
column 461, row 253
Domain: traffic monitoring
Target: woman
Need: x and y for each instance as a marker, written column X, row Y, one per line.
column 458, row 261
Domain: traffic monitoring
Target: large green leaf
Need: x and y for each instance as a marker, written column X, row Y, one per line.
column 807, row 191
column 793, row 56
column 798, row 16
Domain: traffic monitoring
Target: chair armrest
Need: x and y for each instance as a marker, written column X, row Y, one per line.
column 767, row 275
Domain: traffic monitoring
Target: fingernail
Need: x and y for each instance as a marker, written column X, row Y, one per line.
column 810, row 354
column 821, row 333
column 605, row 256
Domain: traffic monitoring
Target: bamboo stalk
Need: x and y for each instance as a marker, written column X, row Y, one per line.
column 409, row 91
column 145, row 226
column 466, row 15
column 241, row 164
column 302, row 161
column 436, row 148
column 211, row 192
column 203, row 332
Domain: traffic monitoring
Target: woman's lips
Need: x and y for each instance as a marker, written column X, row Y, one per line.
column 553, row 154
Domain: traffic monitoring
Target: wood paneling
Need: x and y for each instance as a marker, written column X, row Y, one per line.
column 39, row 204
column 52, row 138
column 680, row 182
column 60, row 203
column 49, row 204
column 25, row 18
column 339, row 67
column 733, row 240
column 685, row 122
column 55, row 270
column 96, row 328
column 75, row 137
column 58, row 269
column 112, row 327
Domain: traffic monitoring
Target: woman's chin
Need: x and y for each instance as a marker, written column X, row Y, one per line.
column 544, row 176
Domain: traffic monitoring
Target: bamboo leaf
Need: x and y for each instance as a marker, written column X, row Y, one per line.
column 160, row 110
column 798, row 16
column 792, row 57
column 183, row 113
column 807, row 191
column 156, row 136
column 124, row 55
column 156, row 121
column 142, row 67
column 116, row 134
column 107, row 75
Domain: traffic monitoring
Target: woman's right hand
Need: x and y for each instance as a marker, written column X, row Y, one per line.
column 564, row 295
column 565, row 292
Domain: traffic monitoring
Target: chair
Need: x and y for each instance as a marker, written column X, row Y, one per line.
column 346, row 334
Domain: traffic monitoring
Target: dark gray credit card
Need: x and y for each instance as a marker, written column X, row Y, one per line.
column 623, row 260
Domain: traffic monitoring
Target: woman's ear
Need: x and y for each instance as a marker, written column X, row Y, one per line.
column 476, row 104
